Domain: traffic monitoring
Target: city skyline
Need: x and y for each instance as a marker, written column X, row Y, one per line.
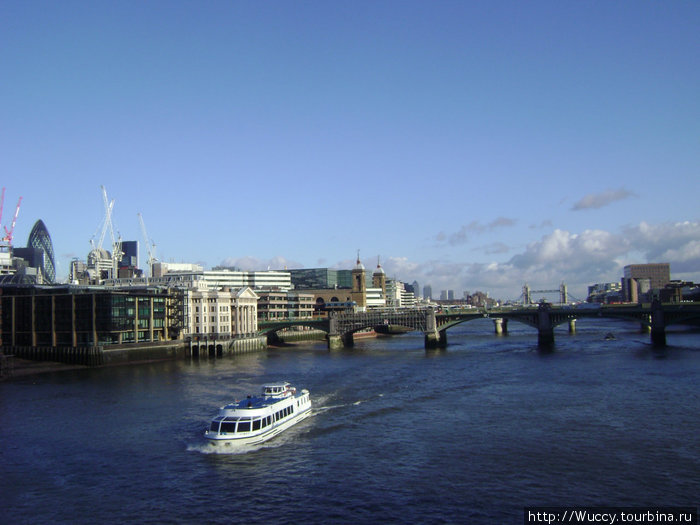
column 467, row 146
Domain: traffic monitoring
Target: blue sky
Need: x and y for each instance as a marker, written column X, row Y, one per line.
column 469, row 145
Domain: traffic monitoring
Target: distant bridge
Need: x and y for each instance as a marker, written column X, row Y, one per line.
column 340, row 327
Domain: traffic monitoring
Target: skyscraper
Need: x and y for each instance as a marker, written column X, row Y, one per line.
column 416, row 289
column 40, row 240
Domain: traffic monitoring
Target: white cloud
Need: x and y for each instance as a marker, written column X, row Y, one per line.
column 677, row 243
column 598, row 200
column 461, row 236
column 249, row 263
column 578, row 259
column 496, row 248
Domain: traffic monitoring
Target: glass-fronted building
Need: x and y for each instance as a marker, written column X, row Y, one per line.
column 316, row 278
column 60, row 316
column 39, row 239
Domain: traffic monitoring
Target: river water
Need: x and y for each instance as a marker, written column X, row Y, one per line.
column 469, row 434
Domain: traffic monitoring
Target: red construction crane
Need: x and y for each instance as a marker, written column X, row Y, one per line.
column 8, row 232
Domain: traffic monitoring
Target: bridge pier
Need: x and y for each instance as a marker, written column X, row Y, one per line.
column 500, row 326
column 545, row 338
column 435, row 339
column 572, row 326
column 336, row 342
column 658, row 325
column 273, row 338
column 545, row 327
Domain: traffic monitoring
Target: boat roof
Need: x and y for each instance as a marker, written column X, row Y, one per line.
column 280, row 384
column 253, row 402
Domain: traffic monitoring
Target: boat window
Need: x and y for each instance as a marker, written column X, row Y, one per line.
column 228, row 427
column 256, row 424
column 243, row 426
column 269, row 420
column 214, row 426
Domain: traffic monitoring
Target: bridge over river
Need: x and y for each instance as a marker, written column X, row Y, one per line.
column 340, row 327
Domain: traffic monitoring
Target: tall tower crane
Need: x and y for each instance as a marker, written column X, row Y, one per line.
column 116, row 243
column 7, row 239
column 150, row 246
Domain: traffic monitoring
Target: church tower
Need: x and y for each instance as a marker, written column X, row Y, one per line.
column 379, row 278
column 359, row 285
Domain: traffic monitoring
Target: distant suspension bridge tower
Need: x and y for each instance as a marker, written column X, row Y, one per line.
column 562, row 291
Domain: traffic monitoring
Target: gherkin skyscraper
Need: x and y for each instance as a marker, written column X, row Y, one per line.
column 40, row 239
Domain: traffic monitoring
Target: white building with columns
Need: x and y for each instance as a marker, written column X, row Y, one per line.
column 221, row 314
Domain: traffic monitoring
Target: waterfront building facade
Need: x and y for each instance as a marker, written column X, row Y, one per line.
column 214, row 279
column 640, row 279
column 279, row 305
column 605, row 293
column 376, row 297
column 221, row 314
column 71, row 316
column 320, row 278
column 159, row 269
column 397, row 296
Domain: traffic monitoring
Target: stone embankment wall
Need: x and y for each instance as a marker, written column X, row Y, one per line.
column 85, row 355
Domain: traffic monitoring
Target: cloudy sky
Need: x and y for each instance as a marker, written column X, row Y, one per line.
column 468, row 145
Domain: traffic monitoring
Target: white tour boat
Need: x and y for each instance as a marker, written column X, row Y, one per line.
column 259, row 418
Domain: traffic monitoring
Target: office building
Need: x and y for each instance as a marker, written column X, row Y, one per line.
column 640, row 280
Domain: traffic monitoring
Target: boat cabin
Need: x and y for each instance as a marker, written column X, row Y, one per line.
column 278, row 390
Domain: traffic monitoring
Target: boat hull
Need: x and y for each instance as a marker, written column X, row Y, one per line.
column 220, row 441
column 256, row 420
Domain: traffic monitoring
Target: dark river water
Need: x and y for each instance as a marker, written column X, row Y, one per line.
column 469, row 434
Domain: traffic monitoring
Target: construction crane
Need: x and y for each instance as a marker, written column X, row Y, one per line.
column 150, row 246
column 102, row 228
column 116, row 243
column 7, row 239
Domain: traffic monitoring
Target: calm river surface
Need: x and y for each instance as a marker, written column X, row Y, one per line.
column 470, row 434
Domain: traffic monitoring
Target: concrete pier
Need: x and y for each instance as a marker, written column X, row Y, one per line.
column 435, row 339
column 658, row 325
column 545, row 327
column 335, row 342
column 500, row 326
